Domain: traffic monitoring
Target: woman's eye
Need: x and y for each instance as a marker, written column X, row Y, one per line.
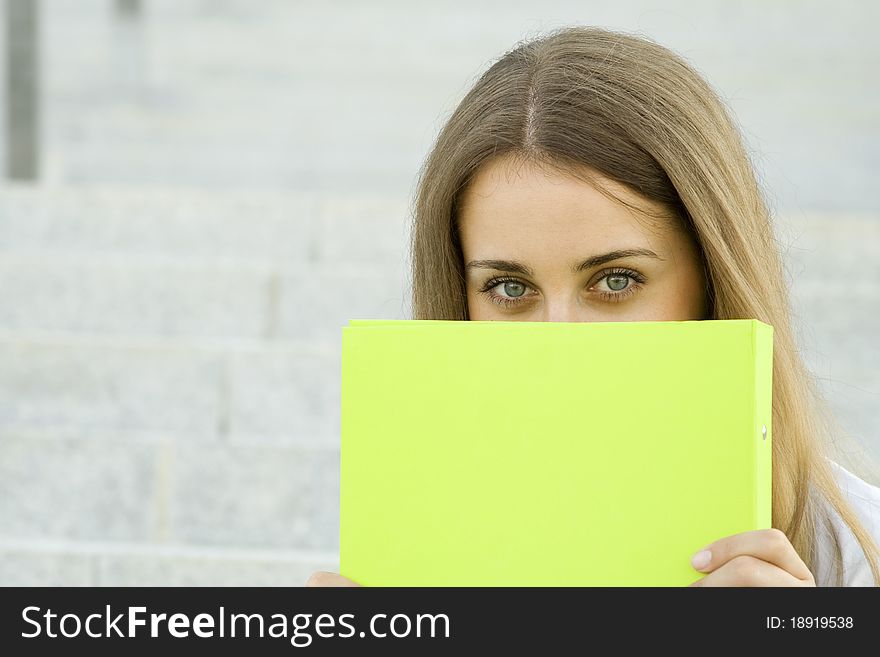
column 512, row 289
column 613, row 286
column 616, row 282
column 618, row 285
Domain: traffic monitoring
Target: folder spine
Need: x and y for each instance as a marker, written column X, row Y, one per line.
column 762, row 342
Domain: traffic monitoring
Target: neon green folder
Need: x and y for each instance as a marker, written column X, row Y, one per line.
column 505, row 453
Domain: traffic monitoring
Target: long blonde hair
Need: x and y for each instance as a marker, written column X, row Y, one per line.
column 585, row 99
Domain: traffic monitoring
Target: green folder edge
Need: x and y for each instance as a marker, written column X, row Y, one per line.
column 762, row 350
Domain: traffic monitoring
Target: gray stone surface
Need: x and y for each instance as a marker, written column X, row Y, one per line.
column 316, row 304
column 98, row 221
column 258, row 570
column 58, row 384
column 78, row 489
column 69, row 563
column 255, row 496
column 126, row 296
column 24, row 566
column 285, row 396
column 226, row 184
column 348, row 96
column 132, row 262
column 363, row 230
column 132, row 298
column 833, row 264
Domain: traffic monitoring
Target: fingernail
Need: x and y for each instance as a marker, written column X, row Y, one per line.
column 701, row 559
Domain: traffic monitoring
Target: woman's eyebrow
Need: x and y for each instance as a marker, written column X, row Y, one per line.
column 593, row 261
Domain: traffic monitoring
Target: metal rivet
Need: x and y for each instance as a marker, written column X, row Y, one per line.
column 763, row 432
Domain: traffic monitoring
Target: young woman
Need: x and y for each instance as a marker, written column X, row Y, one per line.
column 591, row 175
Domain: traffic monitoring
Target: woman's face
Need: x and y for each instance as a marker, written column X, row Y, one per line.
column 548, row 247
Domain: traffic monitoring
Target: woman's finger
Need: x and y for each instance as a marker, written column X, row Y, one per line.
column 323, row 578
column 769, row 545
column 746, row 570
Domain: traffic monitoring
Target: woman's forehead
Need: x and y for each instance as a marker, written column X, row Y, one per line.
column 528, row 202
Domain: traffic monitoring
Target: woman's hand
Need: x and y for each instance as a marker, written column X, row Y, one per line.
column 764, row 557
column 322, row 578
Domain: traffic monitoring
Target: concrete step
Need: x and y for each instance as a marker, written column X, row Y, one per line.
column 142, row 297
column 200, row 392
column 167, row 222
column 91, row 563
column 144, row 262
column 119, row 489
column 331, row 96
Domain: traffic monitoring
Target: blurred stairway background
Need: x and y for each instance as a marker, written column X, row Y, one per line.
column 222, row 184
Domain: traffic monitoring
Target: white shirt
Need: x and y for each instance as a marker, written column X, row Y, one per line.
column 865, row 501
